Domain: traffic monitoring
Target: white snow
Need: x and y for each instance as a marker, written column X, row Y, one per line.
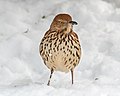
column 22, row 26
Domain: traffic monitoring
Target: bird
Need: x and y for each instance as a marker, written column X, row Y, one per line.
column 60, row 47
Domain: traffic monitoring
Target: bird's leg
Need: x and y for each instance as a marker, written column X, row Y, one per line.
column 72, row 75
column 50, row 77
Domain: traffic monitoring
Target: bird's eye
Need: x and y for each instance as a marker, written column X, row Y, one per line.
column 60, row 22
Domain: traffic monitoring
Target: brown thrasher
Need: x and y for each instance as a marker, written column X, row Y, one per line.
column 60, row 47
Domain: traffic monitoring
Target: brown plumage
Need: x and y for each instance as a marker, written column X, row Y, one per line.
column 60, row 47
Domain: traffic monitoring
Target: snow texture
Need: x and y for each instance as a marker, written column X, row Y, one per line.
column 22, row 26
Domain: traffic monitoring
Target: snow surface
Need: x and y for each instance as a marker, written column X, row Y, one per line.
column 23, row 24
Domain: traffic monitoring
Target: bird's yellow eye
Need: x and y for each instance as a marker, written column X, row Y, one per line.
column 59, row 21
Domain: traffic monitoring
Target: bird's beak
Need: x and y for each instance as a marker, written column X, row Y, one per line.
column 73, row 22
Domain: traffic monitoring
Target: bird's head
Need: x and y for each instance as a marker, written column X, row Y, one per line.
column 62, row 21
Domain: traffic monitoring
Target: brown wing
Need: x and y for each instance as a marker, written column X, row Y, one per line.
column 77, row 43
column 75, row 38
column 41, row 43
column 47, row 36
